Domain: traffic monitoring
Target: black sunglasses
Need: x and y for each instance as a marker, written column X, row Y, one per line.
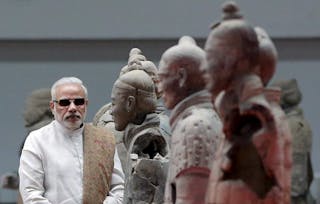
column 67, row 102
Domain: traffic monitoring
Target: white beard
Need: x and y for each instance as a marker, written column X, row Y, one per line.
column 69, row 125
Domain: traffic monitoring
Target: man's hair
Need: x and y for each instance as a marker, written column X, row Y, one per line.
column 67, row 80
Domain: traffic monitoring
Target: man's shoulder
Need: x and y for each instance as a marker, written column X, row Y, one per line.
column 44, row 130
column 38, row 137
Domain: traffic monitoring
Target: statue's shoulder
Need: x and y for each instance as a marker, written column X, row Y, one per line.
column 100, row 114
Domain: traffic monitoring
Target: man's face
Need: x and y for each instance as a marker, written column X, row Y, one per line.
column 70, row 106
column 168, row 84
column 119, row 111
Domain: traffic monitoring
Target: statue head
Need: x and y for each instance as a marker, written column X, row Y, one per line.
column 232, row 50
column 133, row 97
column 37, row 111
column 267, row 56
column 137, row 61
column 290, row 93
column 179, row 71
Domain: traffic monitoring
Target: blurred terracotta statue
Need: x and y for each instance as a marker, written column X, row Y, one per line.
column 36, row 114
column 133, row 111
column 302, row 173
column 253, row 164
column 196, row 128
column 289, row 97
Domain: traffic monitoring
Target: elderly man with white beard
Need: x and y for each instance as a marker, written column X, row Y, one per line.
column 68, row 161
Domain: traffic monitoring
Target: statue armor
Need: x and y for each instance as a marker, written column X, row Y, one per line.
column 301, row 133
column 196, row 128
column 196, row 132
column 302, row 173
column 253, row 165
column 147, row 161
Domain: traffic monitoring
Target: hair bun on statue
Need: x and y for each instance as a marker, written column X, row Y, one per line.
column 135, row 51
column 186, row 40
column 230, row 11
column 135, row 56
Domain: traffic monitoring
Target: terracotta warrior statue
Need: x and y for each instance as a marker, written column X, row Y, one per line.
column 136, row 61
column 289, row 97
column 253, row 163
column 36, row 114
column 133, row 111
column 196, row 128
column 302, row 173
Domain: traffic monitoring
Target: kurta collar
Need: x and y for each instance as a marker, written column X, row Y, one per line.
column 66, row 131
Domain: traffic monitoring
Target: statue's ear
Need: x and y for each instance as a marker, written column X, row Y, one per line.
column 182, row 76
column 130, row 103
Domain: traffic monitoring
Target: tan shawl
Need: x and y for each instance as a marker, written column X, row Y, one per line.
column 99, row 148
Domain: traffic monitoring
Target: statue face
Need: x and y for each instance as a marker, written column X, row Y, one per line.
column 290, row 93
column 168, row 85
column 232, row 51
column 216, row 73
column 119, row 111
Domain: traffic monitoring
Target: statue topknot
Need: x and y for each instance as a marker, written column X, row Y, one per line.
column 135, row 56
column 186, row 40
column 230, row 11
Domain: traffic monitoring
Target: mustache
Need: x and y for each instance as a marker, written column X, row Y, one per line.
column 72, row 115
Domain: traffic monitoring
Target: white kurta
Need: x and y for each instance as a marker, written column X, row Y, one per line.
column 51, row 168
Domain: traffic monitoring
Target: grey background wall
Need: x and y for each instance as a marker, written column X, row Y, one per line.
column 41, row 41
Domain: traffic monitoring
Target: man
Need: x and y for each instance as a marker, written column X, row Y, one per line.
column 68, row 161
column 196, row 128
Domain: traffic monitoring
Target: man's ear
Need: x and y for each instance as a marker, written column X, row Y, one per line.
column 51, row 104
column 182, row 74
column 130, row 103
